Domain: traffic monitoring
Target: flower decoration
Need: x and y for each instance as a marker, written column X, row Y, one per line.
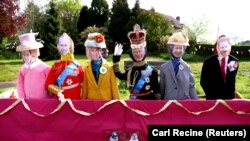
column 147, row 80
column 69, row 82
column 103, row 70
column 232, row 65
column 99, row 38
column 181, row 67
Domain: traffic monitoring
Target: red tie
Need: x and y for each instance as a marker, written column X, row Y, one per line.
column 223, row 68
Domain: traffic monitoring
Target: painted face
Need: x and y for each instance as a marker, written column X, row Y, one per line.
column 35, row 53
column 138, row 54
column 178, row 51
column 26, row 57
column 63, row 45
column 224, row 48
column 94, row 53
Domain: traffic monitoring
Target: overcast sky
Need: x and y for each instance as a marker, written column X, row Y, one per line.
column 229, row 17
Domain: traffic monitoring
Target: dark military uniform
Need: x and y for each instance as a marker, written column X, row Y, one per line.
column 148, row 87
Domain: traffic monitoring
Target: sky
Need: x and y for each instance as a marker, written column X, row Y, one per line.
column 228, row 17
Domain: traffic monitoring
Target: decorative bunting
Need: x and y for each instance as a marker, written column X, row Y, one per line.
column 137, row 111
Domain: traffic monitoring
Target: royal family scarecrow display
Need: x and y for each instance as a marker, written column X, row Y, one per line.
column 141, row 78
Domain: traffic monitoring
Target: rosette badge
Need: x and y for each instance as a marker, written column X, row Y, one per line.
column 103, row 70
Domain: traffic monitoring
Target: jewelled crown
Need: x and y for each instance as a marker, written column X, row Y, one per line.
column 137, row 37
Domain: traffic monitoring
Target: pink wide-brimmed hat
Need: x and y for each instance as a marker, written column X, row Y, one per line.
column 28, row 42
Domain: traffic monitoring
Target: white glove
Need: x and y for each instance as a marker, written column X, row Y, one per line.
column 61, row 96
column 118, row 50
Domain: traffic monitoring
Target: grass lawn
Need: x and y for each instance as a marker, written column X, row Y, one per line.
column 9, row 71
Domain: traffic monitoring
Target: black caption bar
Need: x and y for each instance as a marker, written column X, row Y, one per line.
column 199, row 132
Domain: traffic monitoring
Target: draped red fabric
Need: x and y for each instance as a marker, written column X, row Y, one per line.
column 90, row 120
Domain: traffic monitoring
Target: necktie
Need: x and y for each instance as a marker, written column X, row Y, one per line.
column 223, row 68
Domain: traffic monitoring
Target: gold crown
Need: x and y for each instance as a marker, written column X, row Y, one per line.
column 137, row 36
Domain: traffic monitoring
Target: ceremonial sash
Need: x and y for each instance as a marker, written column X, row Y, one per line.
column 66, row 72
column 140, row 83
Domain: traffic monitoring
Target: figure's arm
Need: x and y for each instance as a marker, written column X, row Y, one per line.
column 46, row 76
column 204, row 80
column 192, row 90
column 84, row 94
column 114, row 85
column 116, row 60
column 50, row 83
column 81, row 78
column 162, row 83
column 20, row 85
column 155, row 85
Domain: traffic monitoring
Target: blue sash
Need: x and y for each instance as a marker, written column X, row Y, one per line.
column 66, row 72
column 140, row 83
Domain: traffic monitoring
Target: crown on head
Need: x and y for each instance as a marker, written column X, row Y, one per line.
column 137, row 36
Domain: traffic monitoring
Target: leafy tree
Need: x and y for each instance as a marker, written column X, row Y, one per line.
column 156, row 26
column 92, row 29
column 11, row 19
column 197, row 29
column 136, row 10
column 120, row 15
column 98, row 13
column 35, row 18
column 69, row 14
column 84, row 36
column 83, row 23
column 50, row 33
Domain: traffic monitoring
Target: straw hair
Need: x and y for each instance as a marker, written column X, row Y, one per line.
column 178, row 38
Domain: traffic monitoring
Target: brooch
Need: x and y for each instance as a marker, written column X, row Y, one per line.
column 147, row 87
column 232, row 65
column 103, row 70
column 181, row 67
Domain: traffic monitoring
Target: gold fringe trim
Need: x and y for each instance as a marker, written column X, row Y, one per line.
column 10, row 107
column 123, row 102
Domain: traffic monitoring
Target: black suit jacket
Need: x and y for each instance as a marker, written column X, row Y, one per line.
column 212, row 81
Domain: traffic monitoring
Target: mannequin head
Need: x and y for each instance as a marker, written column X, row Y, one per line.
column 65, row 44
column 95, row 44
column 177, row 44
column 223, row 46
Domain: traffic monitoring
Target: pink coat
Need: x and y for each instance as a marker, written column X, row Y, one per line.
column 31, row 80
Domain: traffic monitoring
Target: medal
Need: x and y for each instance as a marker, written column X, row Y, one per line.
column 181, row 67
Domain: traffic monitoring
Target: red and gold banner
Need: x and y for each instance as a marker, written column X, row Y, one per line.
column 75, row 120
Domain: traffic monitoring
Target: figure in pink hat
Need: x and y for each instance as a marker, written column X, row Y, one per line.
column 34, row 72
